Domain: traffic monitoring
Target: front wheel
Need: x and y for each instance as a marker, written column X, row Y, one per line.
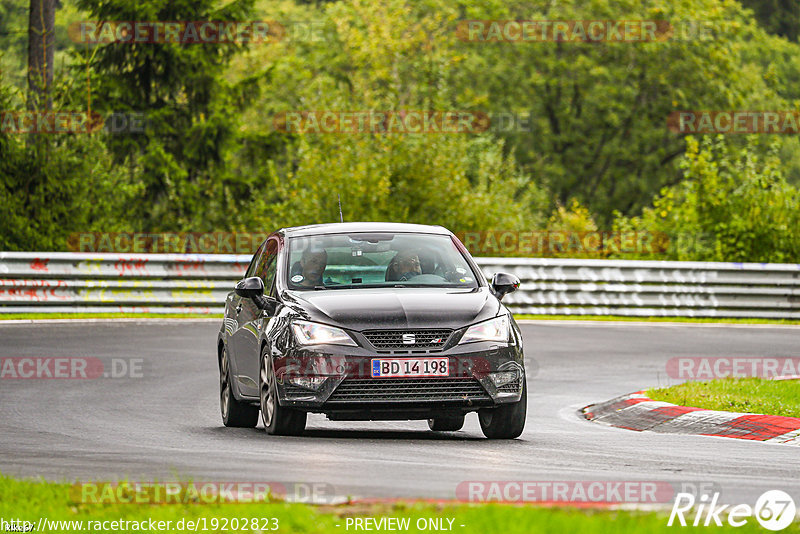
column 278, row 420
column 234, row 413
column 508, row 421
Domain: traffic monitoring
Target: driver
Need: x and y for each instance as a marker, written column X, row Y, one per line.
column 312, row 265
column 404, row 266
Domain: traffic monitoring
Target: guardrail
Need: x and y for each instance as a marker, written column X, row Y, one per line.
column 198, row 283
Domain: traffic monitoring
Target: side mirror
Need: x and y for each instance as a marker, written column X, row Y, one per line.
column 503, row 284
column 250, row 288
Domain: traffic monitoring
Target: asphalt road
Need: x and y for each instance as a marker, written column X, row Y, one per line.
column 165, row 424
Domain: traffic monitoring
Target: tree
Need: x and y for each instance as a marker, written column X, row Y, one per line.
column 733, row 205
column 41, row 53
column 190, row 108
column 597, row 129
column 383, row 57
column 781, row 17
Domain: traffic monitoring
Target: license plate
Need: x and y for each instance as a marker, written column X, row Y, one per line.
column 402, row 367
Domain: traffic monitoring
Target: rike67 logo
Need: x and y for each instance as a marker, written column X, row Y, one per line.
column 774, row 510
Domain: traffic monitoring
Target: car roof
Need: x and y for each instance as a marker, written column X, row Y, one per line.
column 353, row 227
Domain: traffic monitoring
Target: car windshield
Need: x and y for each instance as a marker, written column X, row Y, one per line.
column 377, row 260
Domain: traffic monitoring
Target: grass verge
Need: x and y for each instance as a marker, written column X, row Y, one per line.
column 732, row 320
column 752, row 395
column 30, row 501
column 33, row 316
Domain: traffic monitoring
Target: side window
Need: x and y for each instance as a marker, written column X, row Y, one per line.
column 268, row 265
column 254, row 262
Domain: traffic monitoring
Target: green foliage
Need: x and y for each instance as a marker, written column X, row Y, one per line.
column 596, row 152
column 732, row 205
column 781, row 17
column 13, row 39
column 191, row 121
column 458, row 182
column 575, row 219
column 55, row 187
column 380, row 56
column 599, row 110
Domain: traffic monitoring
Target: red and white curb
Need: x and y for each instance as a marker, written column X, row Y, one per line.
column 640, row 413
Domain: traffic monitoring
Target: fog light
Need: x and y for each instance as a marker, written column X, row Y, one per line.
column 503, row 377
column 308, row 382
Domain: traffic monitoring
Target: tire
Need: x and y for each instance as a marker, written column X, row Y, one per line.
column 505, row 422
column 278, row 420
column 446, row 424
column 234, row 413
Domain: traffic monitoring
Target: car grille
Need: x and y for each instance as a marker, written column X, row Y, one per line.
column 511, row 387
column 423, row 339
column 409, row 389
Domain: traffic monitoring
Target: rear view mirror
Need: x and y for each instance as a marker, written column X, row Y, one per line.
column 503, row 284
column 250, row 288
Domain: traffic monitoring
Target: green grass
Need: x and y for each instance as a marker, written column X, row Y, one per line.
column 752, row 395
column 31, row 500
column 733, row 320
column 31, row 316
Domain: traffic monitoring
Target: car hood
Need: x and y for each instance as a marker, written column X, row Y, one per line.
column 361, row 309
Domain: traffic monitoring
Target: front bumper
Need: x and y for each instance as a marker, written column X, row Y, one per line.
column 349, row 391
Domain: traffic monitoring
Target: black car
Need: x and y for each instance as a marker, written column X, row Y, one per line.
column 370, row 321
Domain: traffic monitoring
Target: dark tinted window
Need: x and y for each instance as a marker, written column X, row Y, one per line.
column 267, row 265
column 377, row 259
column 254, row 262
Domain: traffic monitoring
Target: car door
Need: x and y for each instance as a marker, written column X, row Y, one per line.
column 250, row 319
column 233, row 309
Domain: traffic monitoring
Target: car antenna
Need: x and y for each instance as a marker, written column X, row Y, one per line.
column 341, row 219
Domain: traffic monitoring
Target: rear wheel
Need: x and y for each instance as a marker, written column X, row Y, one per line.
column 446, row 424
column 278, row 420
column 508, row 421
column 234, row 413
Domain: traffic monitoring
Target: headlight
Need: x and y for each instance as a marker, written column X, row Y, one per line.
column 307, row 333
column 496, row 329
